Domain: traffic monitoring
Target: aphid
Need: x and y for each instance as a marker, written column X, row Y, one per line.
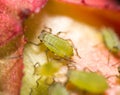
column 47, row 71
column 111, row 40
column 88, row 81
column 60, row 47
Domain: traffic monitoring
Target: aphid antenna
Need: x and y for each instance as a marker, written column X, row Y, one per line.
column 75, row 49
column 47, row 29
column 46, row 51
column 60, row 32
column 65, row 59
column 37, row 81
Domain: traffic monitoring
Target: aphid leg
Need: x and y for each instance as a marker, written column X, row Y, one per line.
column 47, row 55
column 76, row 51
column 37, row 82
column 58, row 33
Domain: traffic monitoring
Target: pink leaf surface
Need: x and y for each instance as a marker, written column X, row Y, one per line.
column 11, row 71
column 12, row 14
column 10, row 26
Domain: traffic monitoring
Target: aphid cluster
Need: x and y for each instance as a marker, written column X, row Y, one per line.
column 64, row 50
column 60, row 48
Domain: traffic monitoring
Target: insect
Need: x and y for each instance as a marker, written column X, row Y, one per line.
column 111, row 40
column 46, row 74
column 88, row 81
column 47, row 69
column 60, row 47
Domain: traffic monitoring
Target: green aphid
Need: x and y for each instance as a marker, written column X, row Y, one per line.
column 57, row 89
column 57, row 45
column 47, row 69
column 88, row 81
column 111, row 40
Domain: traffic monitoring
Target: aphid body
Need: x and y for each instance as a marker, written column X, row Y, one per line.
column 57, row 45
column 88, row 81
column 111, row 40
